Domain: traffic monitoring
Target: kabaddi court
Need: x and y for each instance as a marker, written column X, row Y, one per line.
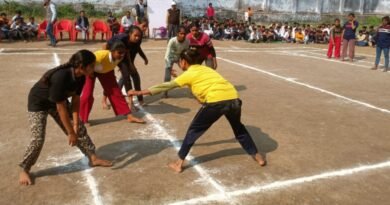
column 322, row 123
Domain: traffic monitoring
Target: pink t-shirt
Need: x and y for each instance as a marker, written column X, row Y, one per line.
column 202, row 43
column 210, row 12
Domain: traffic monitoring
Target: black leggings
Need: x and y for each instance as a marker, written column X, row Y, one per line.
column 128, row 70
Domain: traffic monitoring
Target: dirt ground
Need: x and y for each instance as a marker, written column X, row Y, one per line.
column 323, row 124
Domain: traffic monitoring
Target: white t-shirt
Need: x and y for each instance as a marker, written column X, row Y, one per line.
column 126, row 21
column 175, row 48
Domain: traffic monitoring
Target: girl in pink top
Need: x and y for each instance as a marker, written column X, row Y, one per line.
column 202, row 42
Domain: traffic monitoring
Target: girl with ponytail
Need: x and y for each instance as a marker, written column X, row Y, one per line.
column 219, row 98
column 106, row 61
column 49, row 96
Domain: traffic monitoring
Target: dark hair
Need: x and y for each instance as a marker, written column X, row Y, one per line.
column 192, row 56
column 182, row 28
column 386, row 18
column 337, row 19
column 143, row 20
column 351, row 14
column 18, row 12
column 81, row 57
column 82, row 11
column 3, row 14
column 195, row 24
column 133, row 28
column 118, row 45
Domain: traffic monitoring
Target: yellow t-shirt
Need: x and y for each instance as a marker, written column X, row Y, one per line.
column 207, row 85
column 104, row 61
column 299, row 36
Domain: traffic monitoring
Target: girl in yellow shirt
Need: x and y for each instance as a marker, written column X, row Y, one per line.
column 219, row 98
column 106, row 61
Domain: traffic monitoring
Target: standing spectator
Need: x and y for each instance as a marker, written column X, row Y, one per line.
column 51, row 17
column 140, row 9
column 349, row 37
column 250, row 14
column 173, row 20
column 335, row 39
column 113, row 23
column 383, row 43
column 210, row 12
column 82, row 25
column 127, row 21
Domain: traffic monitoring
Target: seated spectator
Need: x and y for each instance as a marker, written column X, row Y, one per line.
column 18, row 30
column 127, row 21
column 206, row 28
column 4, row 26
column 82, row 25
column 228, row 33
column 361, row 39
column 287, row 36
column 220, row 35
column 268, row 35
column 32, row 29
column 235, row 33
column 371, row 36
column 254, row 35
column 299, row 37
column 242, row 33
column 18, row 14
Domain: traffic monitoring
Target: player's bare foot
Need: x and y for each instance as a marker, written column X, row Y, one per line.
column 132, row 119
column 106, row 106
column 176, row 166
column 374, row 68
column 259, row 159
column 97, row 162
column 24, row 178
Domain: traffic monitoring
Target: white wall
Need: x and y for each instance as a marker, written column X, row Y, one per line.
column 157, row 12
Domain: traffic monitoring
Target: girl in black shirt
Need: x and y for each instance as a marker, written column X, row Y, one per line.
column 49, row 97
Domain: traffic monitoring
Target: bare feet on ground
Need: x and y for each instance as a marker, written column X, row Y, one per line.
column 133, row 119
column 176, row 166
column 97, row 162
column 259, row 159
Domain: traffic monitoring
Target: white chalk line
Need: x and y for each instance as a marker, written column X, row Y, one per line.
column 90, row 180
column 173, row 140
column 291, row 80
column 288, row 183
column 1, row 50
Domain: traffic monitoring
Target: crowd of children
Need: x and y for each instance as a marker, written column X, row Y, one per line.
column 17, row 28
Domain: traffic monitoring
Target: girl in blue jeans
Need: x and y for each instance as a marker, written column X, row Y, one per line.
column 383, row 43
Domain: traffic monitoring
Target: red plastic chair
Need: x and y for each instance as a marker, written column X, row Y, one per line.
column 75, row 32
column 100, row 27
column 64, row 26
column 42, row 29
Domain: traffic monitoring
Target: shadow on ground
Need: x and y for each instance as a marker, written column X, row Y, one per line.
column 263, row 141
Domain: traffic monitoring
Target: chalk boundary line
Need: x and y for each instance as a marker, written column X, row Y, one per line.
column 287, row 183
column 294, row 81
